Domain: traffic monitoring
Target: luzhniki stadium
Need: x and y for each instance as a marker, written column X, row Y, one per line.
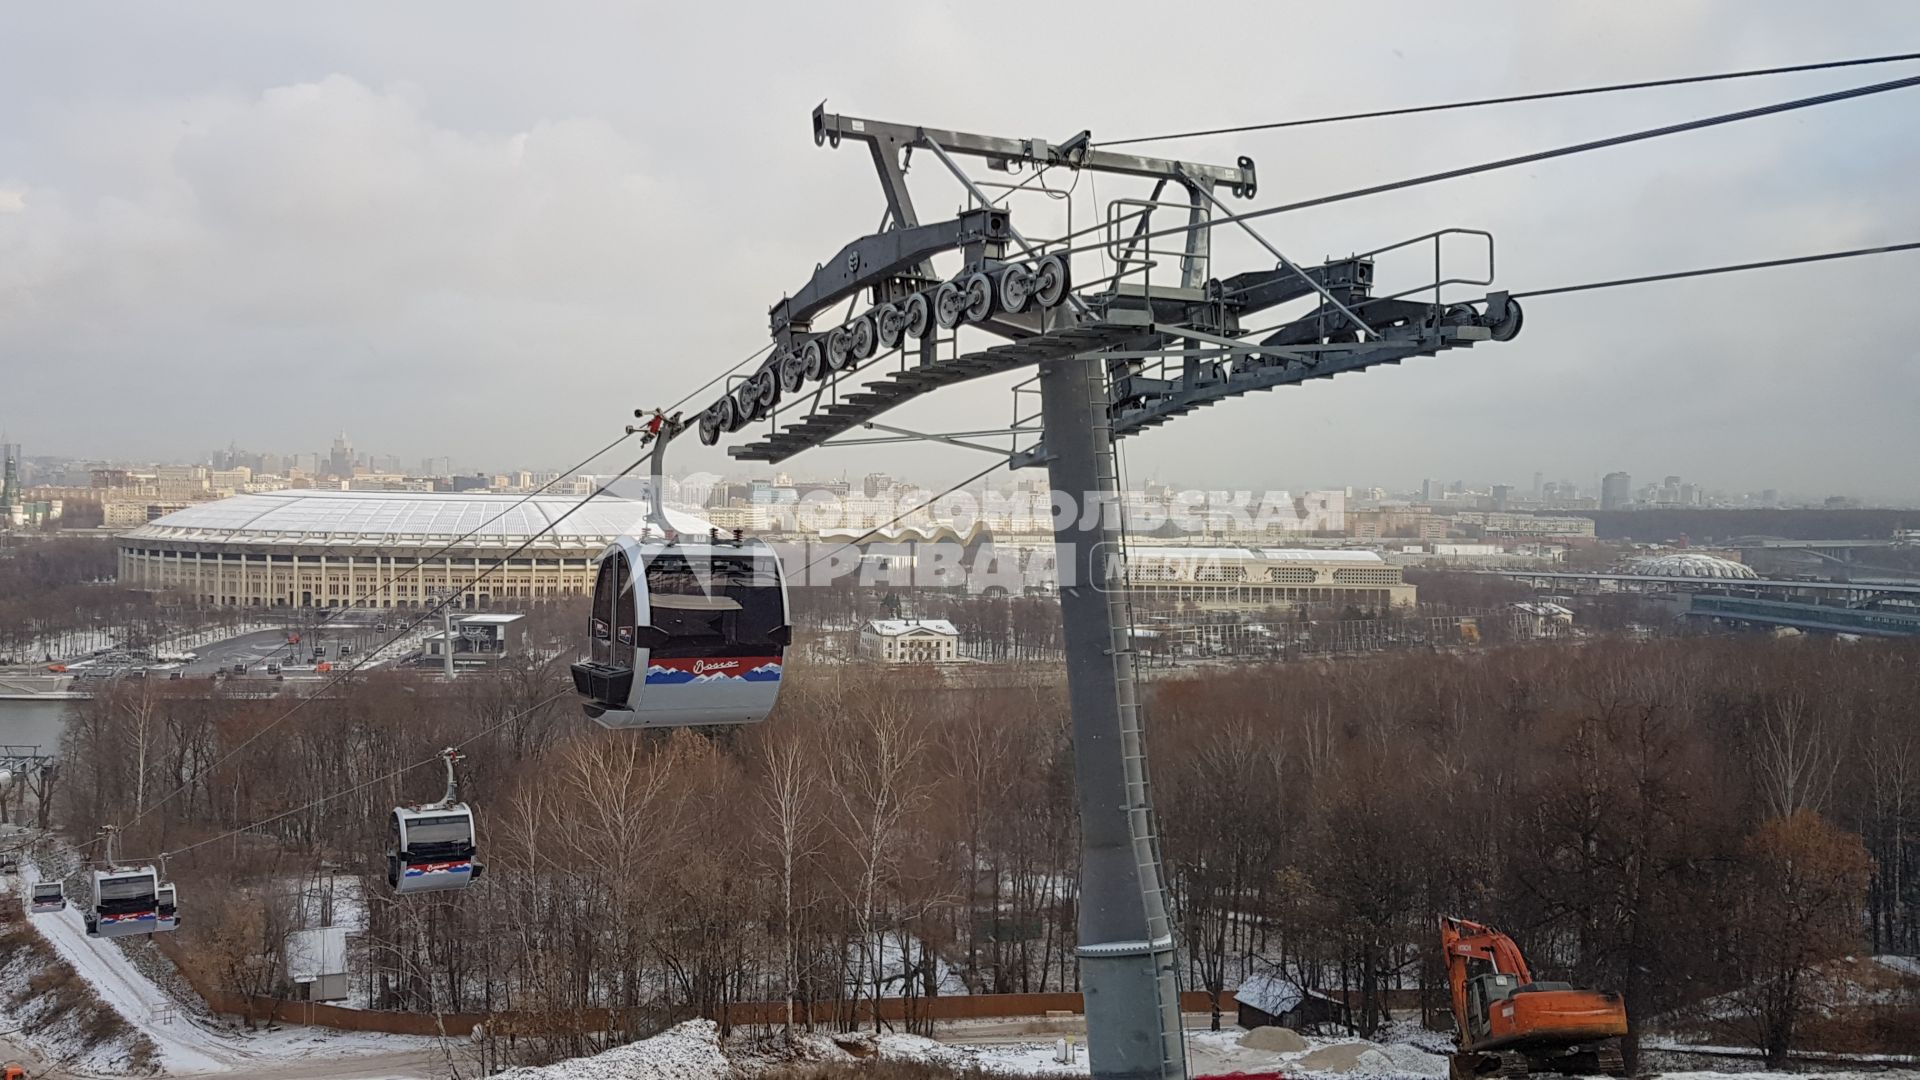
column 308, row 548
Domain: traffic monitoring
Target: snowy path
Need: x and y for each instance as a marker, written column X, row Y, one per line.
column 188, row 1049
column 184, row 1046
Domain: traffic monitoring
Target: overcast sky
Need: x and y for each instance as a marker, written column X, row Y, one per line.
column 490, row 231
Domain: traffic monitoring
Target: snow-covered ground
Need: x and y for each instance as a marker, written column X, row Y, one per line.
column 693, row 1051
column 188, row 1047
column 193, row 639
column 64, row 645
column 888, row 958
column 690, row 1051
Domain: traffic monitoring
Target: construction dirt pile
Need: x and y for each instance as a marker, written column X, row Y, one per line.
column 1373, row 1059
column 1276, row 1040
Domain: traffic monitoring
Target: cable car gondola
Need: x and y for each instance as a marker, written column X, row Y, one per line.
column 686, row 628
column 48, row 896
column 126, row 901
column 433, row 845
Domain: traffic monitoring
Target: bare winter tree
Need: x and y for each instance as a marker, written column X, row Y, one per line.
column 1805, row 886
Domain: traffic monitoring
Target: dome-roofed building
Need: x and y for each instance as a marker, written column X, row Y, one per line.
column 317, row 548
column 1690, row 564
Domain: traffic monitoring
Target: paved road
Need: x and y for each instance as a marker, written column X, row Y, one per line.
column 257, row 649
column 347, row 637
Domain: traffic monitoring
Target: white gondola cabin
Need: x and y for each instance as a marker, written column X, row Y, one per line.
column 48, row 896
column 684, row 633
column 126, row 901
column 431, row 848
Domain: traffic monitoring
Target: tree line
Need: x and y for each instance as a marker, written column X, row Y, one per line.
column 1676, row 821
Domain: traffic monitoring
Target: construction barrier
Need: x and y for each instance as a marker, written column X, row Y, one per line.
column 736, row 1014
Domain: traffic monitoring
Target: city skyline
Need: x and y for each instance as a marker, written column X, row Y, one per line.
column 1681, row 488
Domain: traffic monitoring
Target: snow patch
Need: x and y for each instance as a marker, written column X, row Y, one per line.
column 690, row 1051
column 1905, row 965
column 1010, row 1059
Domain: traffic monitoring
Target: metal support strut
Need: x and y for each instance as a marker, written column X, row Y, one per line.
column 1126, row 942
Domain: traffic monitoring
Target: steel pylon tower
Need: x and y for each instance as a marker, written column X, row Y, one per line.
column 1115, row 355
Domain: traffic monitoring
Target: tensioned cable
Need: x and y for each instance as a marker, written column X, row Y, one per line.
column 1643, row 279
column 477, row 529
column 547, row 701
column 437, row 608
column 529, row 710
column 1526, row 159
column 376, row 650
column 923, row 504
column 1711, row 270
column 756, row 354
column 428, row 761
column 1509, row 99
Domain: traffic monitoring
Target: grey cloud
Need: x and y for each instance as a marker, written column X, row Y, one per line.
column 489, row 232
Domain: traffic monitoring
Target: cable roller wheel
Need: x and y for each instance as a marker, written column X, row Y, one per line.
column 724, row 415
column 767, row 386
column 865, row 337
column 745, row 400
column 919, row 315
column 1016, row 288
column 812, row 361
column 1050, row 280
column 1508, row 328
column 978, row 295
column 839, row 348
column 949, row 305
column 889, row 325
column 793, row 373
column 710, row 425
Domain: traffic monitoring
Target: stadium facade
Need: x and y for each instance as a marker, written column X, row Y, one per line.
column 321, row 549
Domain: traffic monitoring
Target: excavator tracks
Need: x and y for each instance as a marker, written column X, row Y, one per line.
column 1603, row 1058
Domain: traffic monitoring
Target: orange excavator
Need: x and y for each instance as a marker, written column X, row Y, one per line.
column 1506, row 1024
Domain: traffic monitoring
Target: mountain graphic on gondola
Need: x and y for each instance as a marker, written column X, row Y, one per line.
column 658, row 674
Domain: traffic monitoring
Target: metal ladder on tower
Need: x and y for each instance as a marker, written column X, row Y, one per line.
column 1145, row 834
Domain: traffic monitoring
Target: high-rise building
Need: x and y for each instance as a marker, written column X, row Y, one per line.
column 1538, row 484
column 1502, row 495
column 9, row 479
column 340, row 461
column 1616, row 491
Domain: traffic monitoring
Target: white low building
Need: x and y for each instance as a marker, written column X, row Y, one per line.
column 909, row 641
column 1236, row 578
column 317, row 963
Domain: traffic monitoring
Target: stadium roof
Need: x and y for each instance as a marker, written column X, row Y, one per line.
column 1689, row 564
column 406, row 518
